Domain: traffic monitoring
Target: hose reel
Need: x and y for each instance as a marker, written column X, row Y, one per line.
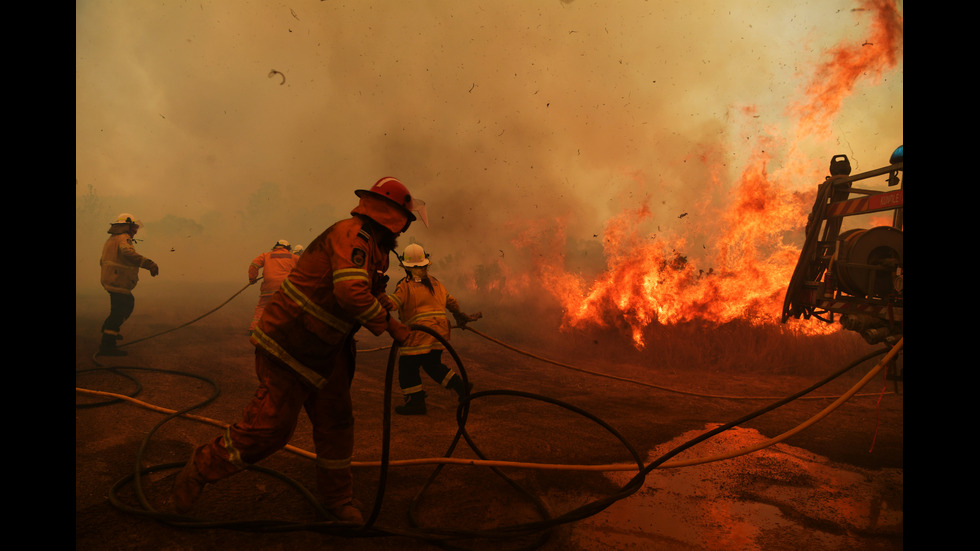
column 868, row 262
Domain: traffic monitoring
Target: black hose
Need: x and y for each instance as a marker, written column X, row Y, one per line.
column 509, row 532
column 117, row 371
column 438, row 536
column 654, row 464
column 442, row 537
column 202, row 316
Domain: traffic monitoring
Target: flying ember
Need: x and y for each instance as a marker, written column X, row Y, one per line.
column 651, row 278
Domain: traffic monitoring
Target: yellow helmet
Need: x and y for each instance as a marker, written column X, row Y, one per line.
column 414, row 256
column 126, row 218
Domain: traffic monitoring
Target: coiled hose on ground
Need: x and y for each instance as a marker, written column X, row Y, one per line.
column 536, row 531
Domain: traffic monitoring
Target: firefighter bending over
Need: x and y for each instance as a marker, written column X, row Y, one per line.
column 422, row 300
column 275, row 265
column 304, row 352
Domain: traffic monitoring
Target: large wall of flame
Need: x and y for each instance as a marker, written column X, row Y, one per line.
column 526, row 126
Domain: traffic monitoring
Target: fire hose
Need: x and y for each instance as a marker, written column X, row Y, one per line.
column 202, row 316
column 628, row 380
column 439, row 535
column 553, row 466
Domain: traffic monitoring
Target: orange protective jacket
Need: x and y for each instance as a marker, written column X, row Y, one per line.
column 275, row 265
column 121, row 263
column 417, row 305
column 326, row 298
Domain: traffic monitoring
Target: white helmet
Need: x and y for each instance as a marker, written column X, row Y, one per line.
column 126, row 218
column 414, row 256
column 297, row 249
column 282, row 243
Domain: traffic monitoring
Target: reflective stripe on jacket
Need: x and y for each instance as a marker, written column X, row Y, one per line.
column 417, row 305
column 275, row 265
column 325, row 299
column 121, row 264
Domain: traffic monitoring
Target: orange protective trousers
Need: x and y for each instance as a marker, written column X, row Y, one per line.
column 270, row 419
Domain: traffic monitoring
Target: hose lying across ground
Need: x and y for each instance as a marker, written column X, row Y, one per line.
column 537, row 532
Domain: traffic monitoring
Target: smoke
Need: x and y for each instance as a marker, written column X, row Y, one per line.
column 227, row 125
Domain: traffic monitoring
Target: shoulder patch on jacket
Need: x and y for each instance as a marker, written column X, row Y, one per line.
column 358, row 256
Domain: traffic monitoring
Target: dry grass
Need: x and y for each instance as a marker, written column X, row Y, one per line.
column 765, row 349
column 735, row 347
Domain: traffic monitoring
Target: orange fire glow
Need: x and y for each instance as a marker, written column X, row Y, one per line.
column 834, row 79
column 650, row 280
column 745, row 266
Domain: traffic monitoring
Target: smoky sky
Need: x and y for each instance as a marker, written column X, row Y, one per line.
column 227, row 125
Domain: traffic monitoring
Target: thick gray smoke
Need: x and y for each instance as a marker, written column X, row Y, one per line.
column 227, row 125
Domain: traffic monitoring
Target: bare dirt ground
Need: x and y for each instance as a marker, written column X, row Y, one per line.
column 838, row 484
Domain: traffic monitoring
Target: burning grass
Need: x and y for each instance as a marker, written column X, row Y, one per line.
column 743, row 347
column 738, row 346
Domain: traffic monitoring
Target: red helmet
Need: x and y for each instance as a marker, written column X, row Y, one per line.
column 393, row 190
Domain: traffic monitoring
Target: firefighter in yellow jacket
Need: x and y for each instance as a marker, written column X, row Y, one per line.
column 275, row 265
column 121, row 265
column 304, row 352
column 421, row 299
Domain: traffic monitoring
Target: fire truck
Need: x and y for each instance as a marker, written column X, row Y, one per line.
column 853, row 274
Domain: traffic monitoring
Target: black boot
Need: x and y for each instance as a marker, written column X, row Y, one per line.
column 108, row 346
column 456, row 385
column 414, row 404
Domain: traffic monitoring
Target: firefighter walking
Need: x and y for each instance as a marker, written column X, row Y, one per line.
column 421, row 299
column 304, row 352
column 275, row 265
column 120, row 265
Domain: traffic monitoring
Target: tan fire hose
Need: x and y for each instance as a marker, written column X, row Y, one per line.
column 890, row 355
column 549, row 466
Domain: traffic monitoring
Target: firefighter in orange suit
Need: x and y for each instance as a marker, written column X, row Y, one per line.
column 275, row 265
column 304, row 352
column 120, row 273
column 422, row 300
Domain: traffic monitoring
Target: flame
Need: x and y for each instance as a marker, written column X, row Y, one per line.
column 834, row 79
column 497, row 278
column 651, row 279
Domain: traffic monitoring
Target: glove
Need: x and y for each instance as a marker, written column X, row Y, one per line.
column 398, row 330
column 154, row 269
column 462, row 318
column 380, row 284
column 386, row 302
